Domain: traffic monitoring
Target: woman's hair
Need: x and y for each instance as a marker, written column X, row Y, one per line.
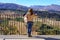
column 31, row 11
column 24, row 14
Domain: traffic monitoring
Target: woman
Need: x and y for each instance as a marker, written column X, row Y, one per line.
column 28, row 18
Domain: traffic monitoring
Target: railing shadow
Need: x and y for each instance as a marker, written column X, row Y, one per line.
column 46, row 38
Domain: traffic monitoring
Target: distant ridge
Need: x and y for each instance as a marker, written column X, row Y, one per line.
column 13, row 6
column 52, row 7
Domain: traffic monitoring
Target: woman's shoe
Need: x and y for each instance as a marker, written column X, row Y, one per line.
column 29, row 35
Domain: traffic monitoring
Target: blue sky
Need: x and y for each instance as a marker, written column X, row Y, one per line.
column 32, row 2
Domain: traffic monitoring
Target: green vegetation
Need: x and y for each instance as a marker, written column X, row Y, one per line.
column 6, row 29
column 44, row 14
column 19, row 19
column 57, row 19
column 48, row 30
column 9, row 30
column 42, row 29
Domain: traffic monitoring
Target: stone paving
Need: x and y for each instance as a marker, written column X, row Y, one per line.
column 40, row 37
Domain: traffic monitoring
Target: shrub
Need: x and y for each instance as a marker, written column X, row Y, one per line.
column 19, row 19
column 48, row 30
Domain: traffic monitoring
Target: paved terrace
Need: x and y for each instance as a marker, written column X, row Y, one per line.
column 37, row 37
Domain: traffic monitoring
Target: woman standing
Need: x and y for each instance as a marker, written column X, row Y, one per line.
column 28, row 18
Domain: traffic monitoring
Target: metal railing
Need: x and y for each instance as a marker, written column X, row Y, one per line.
column 12, row 23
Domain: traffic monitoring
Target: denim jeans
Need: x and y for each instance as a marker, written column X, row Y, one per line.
column 29, row 26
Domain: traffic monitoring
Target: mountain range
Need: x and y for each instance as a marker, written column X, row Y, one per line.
column 13, row 6
column 52, row 7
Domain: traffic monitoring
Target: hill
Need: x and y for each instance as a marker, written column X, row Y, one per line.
column 52, row 7
column 12, row 6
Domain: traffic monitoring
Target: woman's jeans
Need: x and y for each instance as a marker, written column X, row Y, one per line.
column 29, row 26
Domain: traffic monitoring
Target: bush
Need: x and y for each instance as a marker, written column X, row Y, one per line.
column 19, row 19
column 36, row 26
column 48, row 30
column 6, row 29
column 9, row 30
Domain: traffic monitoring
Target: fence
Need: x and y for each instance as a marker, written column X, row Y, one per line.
column 12, row 23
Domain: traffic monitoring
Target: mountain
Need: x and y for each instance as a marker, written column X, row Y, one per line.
column 50, row 11
column 12, row 6
column 52, row 7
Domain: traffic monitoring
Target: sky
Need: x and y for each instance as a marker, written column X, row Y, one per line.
column 32, row 2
